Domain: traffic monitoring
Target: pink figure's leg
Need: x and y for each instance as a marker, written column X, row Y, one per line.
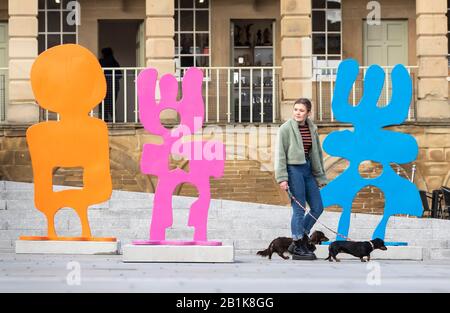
column 198, row 215
column 162, row 216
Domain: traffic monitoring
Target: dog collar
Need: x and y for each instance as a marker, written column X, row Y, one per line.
column 371, row 244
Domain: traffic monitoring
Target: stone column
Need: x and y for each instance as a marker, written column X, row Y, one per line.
column 160, row 44
column 296, row 51
column 23, row 49
column 432, row 52
column 159, row 34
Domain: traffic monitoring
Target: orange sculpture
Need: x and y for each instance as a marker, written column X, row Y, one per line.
column 68, row 79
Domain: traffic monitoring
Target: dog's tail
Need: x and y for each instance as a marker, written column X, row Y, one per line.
column 266, row 252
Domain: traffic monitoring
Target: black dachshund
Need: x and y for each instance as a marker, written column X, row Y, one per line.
column 359, row 249
column 280, row 245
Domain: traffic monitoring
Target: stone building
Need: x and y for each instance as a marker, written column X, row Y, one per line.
column 258, row 56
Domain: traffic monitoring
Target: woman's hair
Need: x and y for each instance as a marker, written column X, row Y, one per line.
column 305, row 102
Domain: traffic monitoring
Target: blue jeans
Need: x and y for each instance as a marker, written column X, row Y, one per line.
column 303, row 187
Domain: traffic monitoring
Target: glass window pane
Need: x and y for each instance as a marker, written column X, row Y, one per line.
column 187, row 61
column 53, row 40
column 186, row 21
column 54, row 22
column 186, row 41
column 202, row 61
column 51, row 4
column 202, row 41
column 201, row 20
column 334, row 20
column 41, row 21
column 334, row 4
column 65, row 3
column 67, row 27
column 318, row 43
column 41, row 4
column 41, row 43
column 318, row 4
column 69, row 39
column 186, row 4
column 318, row 21
column 177, row 45
column 204, row 4
column 176, row 20
column 334, row 44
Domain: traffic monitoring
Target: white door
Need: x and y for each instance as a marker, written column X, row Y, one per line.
column 3, row 68
column 386, row 44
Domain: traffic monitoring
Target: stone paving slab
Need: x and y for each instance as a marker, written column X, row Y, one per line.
column 250, row 273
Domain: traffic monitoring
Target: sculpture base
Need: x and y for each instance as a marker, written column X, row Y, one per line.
column 175, row 243
column 67, row 247
column 178, row 253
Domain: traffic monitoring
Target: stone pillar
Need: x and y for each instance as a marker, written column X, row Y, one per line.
column 160, row 44
column 432, row 52
column 23, row 49
column 159, row 34
column 296, row 51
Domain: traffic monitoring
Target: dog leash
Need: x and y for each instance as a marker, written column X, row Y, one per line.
column 307, row 211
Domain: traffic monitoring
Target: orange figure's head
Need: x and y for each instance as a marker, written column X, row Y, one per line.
column 68, row 79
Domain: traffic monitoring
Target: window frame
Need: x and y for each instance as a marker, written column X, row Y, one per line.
column 317, row 67
column 61, row 10
column 194, row 32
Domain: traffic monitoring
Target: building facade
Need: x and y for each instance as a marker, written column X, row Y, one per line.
column 258, row 56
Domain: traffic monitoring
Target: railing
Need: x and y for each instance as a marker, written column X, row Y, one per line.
column 3, row 92
column 323, row 89
column 231, row 95
column 240, row 94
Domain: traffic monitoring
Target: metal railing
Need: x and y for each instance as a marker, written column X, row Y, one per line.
column 231, row 95
column 323, row 89
column 240, row 94
column 3, row 92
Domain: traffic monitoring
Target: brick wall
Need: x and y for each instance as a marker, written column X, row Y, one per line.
column 244, row 180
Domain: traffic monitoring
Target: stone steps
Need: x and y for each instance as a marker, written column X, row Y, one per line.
column 251, row 226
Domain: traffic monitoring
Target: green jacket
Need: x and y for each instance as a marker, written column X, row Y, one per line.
column 290, row 151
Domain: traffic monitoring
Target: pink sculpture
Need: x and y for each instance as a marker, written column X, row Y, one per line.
column 206, row 158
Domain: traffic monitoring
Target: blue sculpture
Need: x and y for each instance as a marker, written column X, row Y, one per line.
column 370, row 142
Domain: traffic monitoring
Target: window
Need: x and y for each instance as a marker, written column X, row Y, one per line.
column 57, row 24
column 192, row 29
column 326, row 33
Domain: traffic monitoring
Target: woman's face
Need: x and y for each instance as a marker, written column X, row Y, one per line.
column 300, row 112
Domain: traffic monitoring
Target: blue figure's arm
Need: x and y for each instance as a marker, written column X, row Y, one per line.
column 347, row 73
column 397, row 109
column 373, row 85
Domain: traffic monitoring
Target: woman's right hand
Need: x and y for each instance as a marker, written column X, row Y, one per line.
column 284, row 185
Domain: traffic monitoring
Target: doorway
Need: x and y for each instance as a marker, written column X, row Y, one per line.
column 126, row 38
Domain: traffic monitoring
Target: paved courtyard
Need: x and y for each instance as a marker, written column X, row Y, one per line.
column 50, row 273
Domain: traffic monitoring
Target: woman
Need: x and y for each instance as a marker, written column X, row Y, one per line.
column 299, row 167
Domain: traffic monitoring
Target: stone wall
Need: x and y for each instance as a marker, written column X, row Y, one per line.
column 245, row 179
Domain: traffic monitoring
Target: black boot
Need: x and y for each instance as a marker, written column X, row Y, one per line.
column 291, row 247
column 301, row 252
column 307, row 244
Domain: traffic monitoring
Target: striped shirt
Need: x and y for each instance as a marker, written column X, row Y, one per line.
column 306, row 137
